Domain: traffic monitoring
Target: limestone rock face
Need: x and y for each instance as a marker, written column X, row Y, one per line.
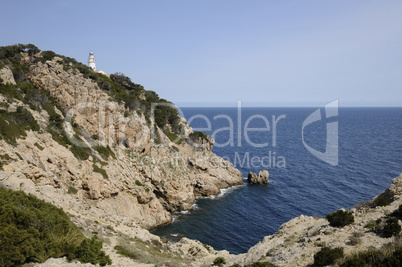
column 7, row 75
column 203, row 143
column 261, row 178
column 142, row 181
column 16, row 181
column 394, row 191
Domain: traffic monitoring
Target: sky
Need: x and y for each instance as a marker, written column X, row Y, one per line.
column 216, row 53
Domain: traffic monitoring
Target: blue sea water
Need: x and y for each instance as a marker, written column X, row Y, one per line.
column 370, row 155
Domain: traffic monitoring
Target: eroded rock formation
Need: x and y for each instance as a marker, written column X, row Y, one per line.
column 261, row 178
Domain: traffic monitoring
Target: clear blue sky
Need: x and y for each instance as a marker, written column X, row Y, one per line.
column 214, row 53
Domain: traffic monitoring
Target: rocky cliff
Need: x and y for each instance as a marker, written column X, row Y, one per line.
column 136, row 178
column 106, row 163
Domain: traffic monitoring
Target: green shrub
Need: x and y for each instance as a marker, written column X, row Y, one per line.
column 60, row 137
column 398, row 213
column 126, row 253
column 367, row 258
column 11, row 91
column 72, row 190
column 4, row 159
column 100, row 170
column 55, row 120
column 340, row 218
column 32, row 230
column 164, row 112
column 105, row 152
column 219, row 261
column 138, row 183
column 261, row 264
column 196, row 136
column 391, row 227
column 47, row 55
column 354, row 262
column 383, row 257
column 395, row 259
column 174, row 137
column 90, row 250
column 381, row 202
column 14, row 125
column 370, row 225
column 327, row 256
column 39, row 146
column 81, row 152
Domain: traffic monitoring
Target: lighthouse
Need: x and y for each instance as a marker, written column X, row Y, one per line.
column 91, row 61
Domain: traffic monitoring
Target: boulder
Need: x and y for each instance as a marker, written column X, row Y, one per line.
column 264, row 175
column 7, row 75
column 16, row 181
column 261, row 178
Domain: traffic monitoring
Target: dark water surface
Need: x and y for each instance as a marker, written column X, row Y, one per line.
column 370, row 155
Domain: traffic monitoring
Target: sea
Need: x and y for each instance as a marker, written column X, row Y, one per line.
column 293, row 144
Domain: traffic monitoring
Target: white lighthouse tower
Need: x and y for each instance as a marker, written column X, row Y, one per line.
column 91, row 61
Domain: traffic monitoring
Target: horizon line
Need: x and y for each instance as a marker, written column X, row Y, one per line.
column 285, row 106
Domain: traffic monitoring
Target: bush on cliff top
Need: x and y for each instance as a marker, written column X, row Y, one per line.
column 381, row 202
column 197, row 136
column 398, row 213
column 382, row 257
column 90, row 250
column 327, row 256
column 219, row 261
column 260, row 264
column 340, row 218
column 32, row 230
column 391, row 227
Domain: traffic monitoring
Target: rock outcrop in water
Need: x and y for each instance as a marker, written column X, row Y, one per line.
column 261, row 178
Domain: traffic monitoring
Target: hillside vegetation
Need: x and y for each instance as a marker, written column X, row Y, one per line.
column 118, row 86
column 32, row 230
